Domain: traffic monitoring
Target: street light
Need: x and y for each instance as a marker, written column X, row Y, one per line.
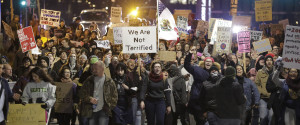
column 94, row 5
column 23, row 3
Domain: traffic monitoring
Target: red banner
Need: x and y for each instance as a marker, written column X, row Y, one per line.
column 26, row 39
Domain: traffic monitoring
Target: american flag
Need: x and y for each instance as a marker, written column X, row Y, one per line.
column 161, row 7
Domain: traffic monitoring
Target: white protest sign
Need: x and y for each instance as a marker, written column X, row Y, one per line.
column 182, row 24
column 116, row 14
column 50, row 17
column 219, row 23
column 223, row 43
column 256, row 35
column 291, row 52
column 117, row 35
column 139, row 39
column 211, row 25
column 103, row 44
column 262, row 46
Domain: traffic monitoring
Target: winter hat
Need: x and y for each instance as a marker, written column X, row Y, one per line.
column 83, row 56
column 212, row 59
column 270, row 54
column 267, row 57
column 213, row 68
column 199, row 54
column 43, row 58
column 230, row 72
column 94, row 59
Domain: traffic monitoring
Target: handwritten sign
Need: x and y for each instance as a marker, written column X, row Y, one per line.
column 291, row 49
column 182, row 24
column 116, row 14
column 223, row 43
column 50, row 17
column 263, row 10
column 64, row 97
column 219, row 23
column 262, row 46
column 256, row 35
column 117, row 35
column 139, row 39
column 103, row 44
column 8, row 30
column 26, row 39
column 167, row 55
column 244, row 42
column 179, row 12
column 30, row 114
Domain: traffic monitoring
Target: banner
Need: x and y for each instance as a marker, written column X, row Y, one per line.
column 241, row 21
column 244, row 42
column 219, row 23
column 284, row 23
column 291, row 51
column 275, row 27
column 182, row 24
column 50, row 17
column 223, row 43
column 8, row 30
column 117, row 35
column 30, row 114
column 166, row 26
column 64, row 97
column 233, row 7
column 262, row 46
column 167, row 55
column 139, row 39
column 263, row 10
column 116, row 14
column 256, row 35
column 103, row 44
column 26, row 39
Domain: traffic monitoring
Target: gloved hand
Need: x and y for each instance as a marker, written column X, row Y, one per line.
column 44, row 106
column 24, row 103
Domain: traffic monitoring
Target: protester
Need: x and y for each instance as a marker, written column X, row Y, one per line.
column 5, row 97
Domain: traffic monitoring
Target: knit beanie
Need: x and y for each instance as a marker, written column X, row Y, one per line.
column 267, row 57
column 230, row 72
column 213, row 68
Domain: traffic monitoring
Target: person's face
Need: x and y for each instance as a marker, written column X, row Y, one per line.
column 35, row 56
column 181, row 61
column 27, row 63
column 261, row 62
column 208, row 63
column 178, row 54
column 275, row 50
column 73, row 50
column 186, row 47
column 157, row 69
column 17, row 19
column 165, row 74
column 144, row 55
column 178, row 47
column 293, row 74
column 73, row 57
column 35, row 77
column 131, row 65
column 44, row 63
column 62, row 23
column 63, row 56
column 269, row 63
column 115, row 60
column 275, row 58
column 247, row 61
column 239, row 71
column 162, row 47
column 50, row 44
column 53, row 50
column 239, row 55
column 82, row 60
column 120, row 72
column 93, row 35
column 198, row 46
column 67, row 74
column 8, row 70
column 97, row 70
column 64, row 43
column 126, row 56
column 39, row 43
column 234, row 59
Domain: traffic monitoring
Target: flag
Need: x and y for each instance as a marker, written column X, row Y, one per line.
column 166, row 26
column 161, row 7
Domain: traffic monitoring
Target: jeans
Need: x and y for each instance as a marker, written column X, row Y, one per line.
column 155, row 111
column 265, row 114
column 137, row 113
column 212, row 118
column 99, row 118
column 229, row 121
column 290, row 116
column 255, row 116
column 64, row 118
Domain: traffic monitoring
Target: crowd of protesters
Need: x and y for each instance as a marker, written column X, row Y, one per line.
column 197, row 88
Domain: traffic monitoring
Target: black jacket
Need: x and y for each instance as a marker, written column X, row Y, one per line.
column 8, row 96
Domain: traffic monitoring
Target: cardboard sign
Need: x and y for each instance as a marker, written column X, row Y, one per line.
column 284, row 23
column 58, row 33
column 117, row 35
column 262, row 46
column 223, row 43
column 50, row 17
column 8, row 30
column 256, row 35
column 182, row 24
column 244, row 42
column 139, row 39
column 241, row 21
column 263, row 10
column 291, row 49
column 116, row 14
column 26, row 39
column 233, row 7
column 179, row 12
column 64, row 97
column 167, row 55
column 219, row 23
column 30, row 114
column 275, row 27
column 103, row 44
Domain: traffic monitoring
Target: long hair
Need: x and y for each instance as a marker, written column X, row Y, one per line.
column 41, row 73
column 244, row 74
column 62, row 72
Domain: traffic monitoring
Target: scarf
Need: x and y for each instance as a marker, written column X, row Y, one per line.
column 293, row 84
column 155, row 78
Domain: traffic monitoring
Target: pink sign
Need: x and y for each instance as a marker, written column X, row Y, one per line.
column 244, row 41
column 26, row 39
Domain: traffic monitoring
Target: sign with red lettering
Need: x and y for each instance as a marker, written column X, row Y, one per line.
column 26, row 38
column 50, row 17
column 291, row 52
column 244, row 41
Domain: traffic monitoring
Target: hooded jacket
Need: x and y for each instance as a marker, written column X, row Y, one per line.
column 261, row 82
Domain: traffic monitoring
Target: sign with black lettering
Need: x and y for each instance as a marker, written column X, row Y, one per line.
column 116, row 14
column 256, row 35
column 291, row 49
column 64, row 97
column 139, row 39
column 244, row 42
column 103, row 44
column 30, row 114
column 50, row 17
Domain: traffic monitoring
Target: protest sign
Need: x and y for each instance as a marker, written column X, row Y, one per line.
column 103, row 44
column 50, row 17
column 211, row 25
column 29, row 114
column 291, row 52
column 202, row 25
column 119, row 25
column 139, row 39
column 244, row 41
column 233, row 7
column 167, row 55
column 26, row 39
column 116, row 14
column 167, row 26
column 110, row 35
column 275, row 27
column 59, row 33
column 219, row 23
column 241, row 21
column 223, row 43
column 179, row 12
column 262, row 46
column 8, row 30
column 182, row 24
column 284, row 23
column 64, row 97
column 117, row 35
column 256, row 35
column 263, row 10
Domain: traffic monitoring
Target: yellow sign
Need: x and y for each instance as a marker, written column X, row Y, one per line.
column 167, row 55
column 263, row 10
column 30, row 114
column 233, row 7
column 262, row 46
